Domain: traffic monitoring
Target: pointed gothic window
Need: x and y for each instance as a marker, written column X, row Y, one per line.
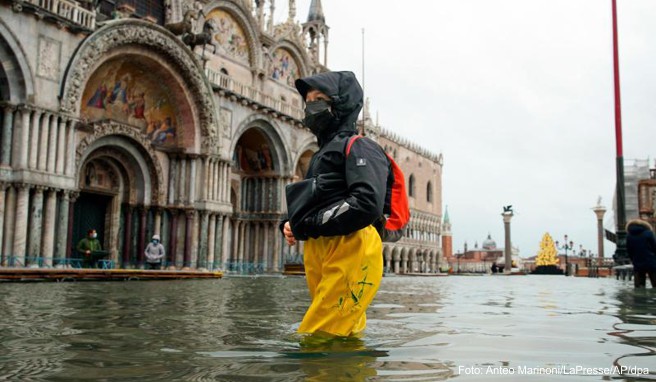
column 429, row 192
column 411, row 186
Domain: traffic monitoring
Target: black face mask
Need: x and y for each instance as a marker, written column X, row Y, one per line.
column 318, row 117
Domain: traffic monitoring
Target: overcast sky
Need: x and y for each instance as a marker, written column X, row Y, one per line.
column 516, row 94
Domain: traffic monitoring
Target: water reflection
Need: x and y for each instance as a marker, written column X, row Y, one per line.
column 419, row 329
column 638, row 327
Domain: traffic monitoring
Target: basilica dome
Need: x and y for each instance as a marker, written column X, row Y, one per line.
column 489, row 243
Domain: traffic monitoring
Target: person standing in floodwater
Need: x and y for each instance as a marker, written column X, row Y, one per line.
column 641, row 247
column 338, row 208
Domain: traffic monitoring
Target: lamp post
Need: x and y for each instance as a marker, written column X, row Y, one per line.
column 583, row 254
column 566, row 246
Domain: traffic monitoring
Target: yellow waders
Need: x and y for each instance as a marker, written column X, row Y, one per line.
column 343, row 274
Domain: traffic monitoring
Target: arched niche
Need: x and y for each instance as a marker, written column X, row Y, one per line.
column 138, row 91
column 280, row 155
column 144, row 39
column 230, row 38
column 284, row 68
column 253, row 153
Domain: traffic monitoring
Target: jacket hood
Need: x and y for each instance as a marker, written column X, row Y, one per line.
column 345, row 94
column 637, row 226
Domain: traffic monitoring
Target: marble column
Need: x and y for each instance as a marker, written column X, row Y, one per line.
column 52, row 145
column 48, row 240
column 203, row 255
column 388, row 261
column 3, row 201
column 173, row 172
column 192, row 180
column 7, row 135
column 257, row 245
column 61, row 148
column 221, row 232
column 507, row 216
column 234, row 252
column 35, row 227
column 212, row 180
column 10, row 223
column 71, row 210
column 23, row 148
column 62, row 229
column 205, row 179
column 127, row 236
column 189, row 226
column 224, row 250
column 225, row 190
column 16, row 138
column 220, row 181
column 265, row 246
column 70, row 149
column 182, row 180
column 211, row 242
column 43, row 141
column 141, row 238
column 20, row 230
column 173, row 240
column 277, row 249
column 242, row 243
column 34, row 139
column 157, row 222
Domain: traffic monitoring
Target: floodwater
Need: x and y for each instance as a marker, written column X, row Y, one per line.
column 538, row 328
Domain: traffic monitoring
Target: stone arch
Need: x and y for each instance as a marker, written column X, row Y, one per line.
column 16, row 79
column 279, row 149
column 122, row 35
column 150, row 178
column 247, row 23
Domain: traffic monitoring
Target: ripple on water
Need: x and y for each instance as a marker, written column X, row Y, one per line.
column 419, row 329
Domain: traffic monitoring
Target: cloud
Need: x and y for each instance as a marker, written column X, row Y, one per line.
column 517, row 95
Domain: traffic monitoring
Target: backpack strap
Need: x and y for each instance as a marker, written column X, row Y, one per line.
column 351, row 140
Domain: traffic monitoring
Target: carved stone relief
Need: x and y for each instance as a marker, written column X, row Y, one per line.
column 225, row 116
column 49, row 58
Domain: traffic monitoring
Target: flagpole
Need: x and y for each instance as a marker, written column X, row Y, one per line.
column 620, row 252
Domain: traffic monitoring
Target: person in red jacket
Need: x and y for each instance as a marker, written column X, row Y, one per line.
column 340, row 205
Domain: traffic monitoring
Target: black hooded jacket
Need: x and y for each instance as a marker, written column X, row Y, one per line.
column 641, row 246
column 348, row 192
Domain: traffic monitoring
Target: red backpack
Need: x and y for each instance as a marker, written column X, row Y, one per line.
column 396, row 207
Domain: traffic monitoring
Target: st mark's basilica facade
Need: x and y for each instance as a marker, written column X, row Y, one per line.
column 170, row 117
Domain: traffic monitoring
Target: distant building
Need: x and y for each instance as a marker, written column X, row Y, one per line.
column 477, row 260
column 634, row 171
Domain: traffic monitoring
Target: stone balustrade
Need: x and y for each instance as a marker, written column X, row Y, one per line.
column 253, row 94
column 70, row 10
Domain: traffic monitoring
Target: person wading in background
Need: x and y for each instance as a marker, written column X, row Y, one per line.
column 641, row 246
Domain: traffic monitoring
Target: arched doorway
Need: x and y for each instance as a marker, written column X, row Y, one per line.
column 118, row 185
column 258, row 189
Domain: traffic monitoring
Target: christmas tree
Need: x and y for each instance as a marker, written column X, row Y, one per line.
column 547, row 254
column 547, row 259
